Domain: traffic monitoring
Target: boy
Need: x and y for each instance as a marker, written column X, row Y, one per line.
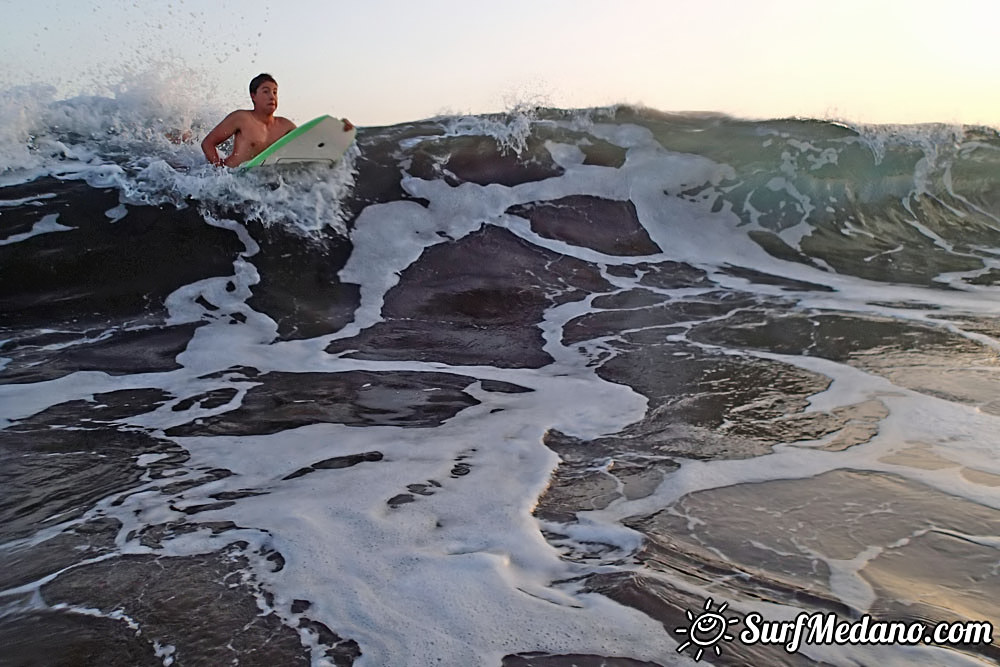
column 253, row 131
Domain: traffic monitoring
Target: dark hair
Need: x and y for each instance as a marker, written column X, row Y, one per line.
column 259, row 79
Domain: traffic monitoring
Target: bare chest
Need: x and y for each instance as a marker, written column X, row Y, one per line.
column 256, row 138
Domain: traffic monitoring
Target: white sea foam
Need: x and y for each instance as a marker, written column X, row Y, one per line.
column 463, row 575
column 46, row 225
column 510, row 130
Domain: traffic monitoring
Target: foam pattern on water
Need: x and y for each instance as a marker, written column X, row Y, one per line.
column 463, row 575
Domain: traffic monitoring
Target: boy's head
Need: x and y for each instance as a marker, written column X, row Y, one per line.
column 259, row 79
column 264, row 93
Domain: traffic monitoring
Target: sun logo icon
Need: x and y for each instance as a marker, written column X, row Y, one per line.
column 707, row 629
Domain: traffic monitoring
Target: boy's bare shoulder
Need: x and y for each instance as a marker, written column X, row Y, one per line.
column 241, row 115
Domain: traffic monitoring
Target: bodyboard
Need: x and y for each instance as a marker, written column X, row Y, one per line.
column 321, row 140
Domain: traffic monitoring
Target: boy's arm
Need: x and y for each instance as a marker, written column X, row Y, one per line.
column 286, row 126
column 227, row 128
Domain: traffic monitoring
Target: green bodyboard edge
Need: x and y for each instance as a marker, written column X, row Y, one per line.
column 264, row 154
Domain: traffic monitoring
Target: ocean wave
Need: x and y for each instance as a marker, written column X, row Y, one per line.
column 518, row 388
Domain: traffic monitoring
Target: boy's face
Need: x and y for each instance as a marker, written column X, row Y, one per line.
column 266, row 97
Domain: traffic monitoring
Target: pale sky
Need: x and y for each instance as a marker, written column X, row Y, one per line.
column 386, row 61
